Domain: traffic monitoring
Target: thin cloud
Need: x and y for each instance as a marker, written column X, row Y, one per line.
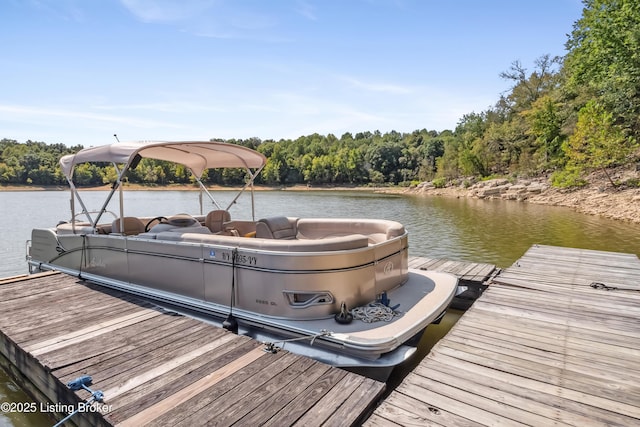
column 67, row 10
column 219, row 19
column 180, row 107
column 168, row 11
column 378, row 87
column 35, row 114
column 307, row 10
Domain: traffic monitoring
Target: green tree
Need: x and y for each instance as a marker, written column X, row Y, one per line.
column 432, row 149
column 603, row 59
column 7, row 174
column 598, row 143
column 448, row 166
column 469, row 132
column 109, row 174
column 271, row 172
column 276, row 169
column 43, row 175
column 545, row 125
column 384, row 158
column 528, row 88
column 87, row 174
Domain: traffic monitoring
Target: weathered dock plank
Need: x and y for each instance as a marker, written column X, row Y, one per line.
column 541, row 346
column 574, row 268
column 464, row 270
column 158, row 368
column 472, row 277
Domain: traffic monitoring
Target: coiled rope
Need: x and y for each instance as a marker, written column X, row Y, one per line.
column 374, row 312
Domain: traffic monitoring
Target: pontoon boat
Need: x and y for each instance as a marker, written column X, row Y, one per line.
column 281, row 278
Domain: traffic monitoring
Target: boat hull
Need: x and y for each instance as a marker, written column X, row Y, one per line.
column 280, row 284
column 285, row 295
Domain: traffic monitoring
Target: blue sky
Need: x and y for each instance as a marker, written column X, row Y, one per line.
column 78, row 71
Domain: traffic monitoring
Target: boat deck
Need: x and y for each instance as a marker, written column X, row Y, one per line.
column 553, row 341
column 158, row 368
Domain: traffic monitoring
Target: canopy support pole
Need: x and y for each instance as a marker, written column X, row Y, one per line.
column 117, row 185
column 252, row 177
column 74, row 194
column 203, row 188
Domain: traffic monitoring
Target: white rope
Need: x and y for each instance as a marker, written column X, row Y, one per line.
column 373, row 312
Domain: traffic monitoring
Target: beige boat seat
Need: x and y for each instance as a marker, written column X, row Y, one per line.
column 279, row 227
column 377, row 230
column 215, row 220
column 340, row 243
column 132, row 225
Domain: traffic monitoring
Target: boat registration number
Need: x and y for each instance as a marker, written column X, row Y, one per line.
column 240, row 259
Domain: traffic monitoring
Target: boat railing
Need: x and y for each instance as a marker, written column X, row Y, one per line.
column 336, row 234
column 84, row 213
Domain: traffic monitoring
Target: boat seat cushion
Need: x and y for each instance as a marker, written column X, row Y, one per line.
column 79, row 227
column 132, row 225
column 162, row 227
column 376, row 229
column 342, row 243
column 215, row 220
column 279, row 227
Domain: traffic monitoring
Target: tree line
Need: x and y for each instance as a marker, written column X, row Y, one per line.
column 367, row 157
column 568, row 116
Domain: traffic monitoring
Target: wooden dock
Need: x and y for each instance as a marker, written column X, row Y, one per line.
column 464, row 270
column 473, row 277
column 158, row 368
column 555, row 340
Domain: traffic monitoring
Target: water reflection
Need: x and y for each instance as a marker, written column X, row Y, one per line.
column 499, row 232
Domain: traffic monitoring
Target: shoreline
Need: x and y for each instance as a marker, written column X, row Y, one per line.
column 190, row 187
column 598, row 198
column 622, row 206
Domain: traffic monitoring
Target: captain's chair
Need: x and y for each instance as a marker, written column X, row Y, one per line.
column 215, row 220
column 132, row 225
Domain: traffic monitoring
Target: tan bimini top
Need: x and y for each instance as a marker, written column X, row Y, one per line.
column 195, row 155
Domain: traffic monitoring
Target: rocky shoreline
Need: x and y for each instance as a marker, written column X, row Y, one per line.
column 598, row 197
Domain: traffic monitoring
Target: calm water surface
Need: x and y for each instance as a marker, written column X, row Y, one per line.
column 495, row 232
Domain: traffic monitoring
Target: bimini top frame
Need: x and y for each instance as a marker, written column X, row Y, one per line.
column 197, row 156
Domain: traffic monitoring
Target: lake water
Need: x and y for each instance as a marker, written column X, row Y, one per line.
column 492, row 231
column 496, row 232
